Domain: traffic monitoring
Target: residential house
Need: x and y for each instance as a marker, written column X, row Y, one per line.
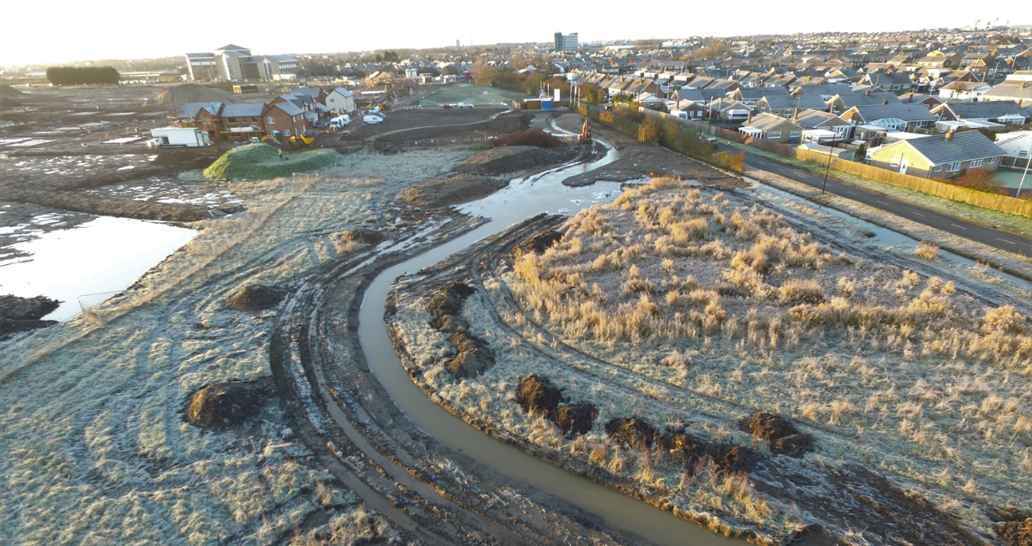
column 729, row 110
column 203, row 115
column 897, row 116
column 823, row 127
column 1018, row 147
column 284, row 119
column 894, row 82
column 787, row 105
column 340, row 101
column 771, row 127
column 940, row 156
column 845, row 101
column 1004, row 112
column 1017, row 87
column 964, row 90
column 752, row 95
column 930, row 101
column 242, row 120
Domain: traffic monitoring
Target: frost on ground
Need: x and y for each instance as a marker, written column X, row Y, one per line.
column 93, row 444
column 690, row 309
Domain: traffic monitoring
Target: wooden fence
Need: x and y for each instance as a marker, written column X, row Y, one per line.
column 953, row 192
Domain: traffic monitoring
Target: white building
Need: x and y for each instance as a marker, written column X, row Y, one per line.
column 340, row 101
column 201, row 67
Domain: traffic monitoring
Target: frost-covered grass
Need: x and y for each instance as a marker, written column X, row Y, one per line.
column 697, row 302
column 93, row 448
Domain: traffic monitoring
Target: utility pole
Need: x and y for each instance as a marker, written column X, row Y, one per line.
column 827, row 169
column 1028, row 161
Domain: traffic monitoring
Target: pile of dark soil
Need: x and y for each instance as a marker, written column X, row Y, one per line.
column 510, row 159
column 540, row 243
column 472, row 355
column 1014, row 527
column 255, row 297
column 451, row 190
column 226, row 404
column 361, row 236
column 781, row 435
column 22, row 314
column 631, row 432
column 539, row 396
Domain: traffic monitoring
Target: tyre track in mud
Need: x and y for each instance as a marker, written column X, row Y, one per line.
column 302, row 330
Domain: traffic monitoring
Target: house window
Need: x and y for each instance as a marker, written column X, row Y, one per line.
column 955, row 166
column 774, row 134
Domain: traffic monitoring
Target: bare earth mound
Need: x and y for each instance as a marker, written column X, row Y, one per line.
column 179, row 95
column 452, row 190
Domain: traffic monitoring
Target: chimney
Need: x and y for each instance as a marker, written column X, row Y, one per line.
column 949, row 134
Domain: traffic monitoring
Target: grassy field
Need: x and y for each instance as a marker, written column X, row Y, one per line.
column 471, row 94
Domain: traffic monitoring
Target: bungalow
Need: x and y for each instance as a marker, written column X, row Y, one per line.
column 817, row 120
column 1017, row 87
column 930, row 101
column 340, row 101
column 1005, row 112
column 752, row 95
column 729, row 110
column 787, row 105
column 845, row 101
column 897, row 116
column 284, row 119
column 1018, row 146
column 771, row 127
column 894, row 82
column 964, row 90
column 940, row 156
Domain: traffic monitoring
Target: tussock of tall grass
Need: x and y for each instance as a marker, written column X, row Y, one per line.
column 599, row 283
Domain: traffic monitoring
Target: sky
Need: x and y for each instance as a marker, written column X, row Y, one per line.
column 54, row 31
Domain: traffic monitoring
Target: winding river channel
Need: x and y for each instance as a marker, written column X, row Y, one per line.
column 522, row 199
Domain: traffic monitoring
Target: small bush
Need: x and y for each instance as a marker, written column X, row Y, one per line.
column 926, row 251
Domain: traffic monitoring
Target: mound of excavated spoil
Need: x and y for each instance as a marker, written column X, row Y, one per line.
column 780, row 434
column 472, row 356
column 451, row 190
column 179, row 95
column 225, row 404
column 253, row 298
column 510, row 159
column 22, row 314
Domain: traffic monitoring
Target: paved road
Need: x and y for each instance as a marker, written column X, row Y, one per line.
column 992, row 237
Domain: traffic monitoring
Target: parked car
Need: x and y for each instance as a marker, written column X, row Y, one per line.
column 371, row 119
column 340, row 122
column 464, row 105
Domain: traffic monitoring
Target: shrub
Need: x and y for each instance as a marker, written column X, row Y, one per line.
column 926, row 251
column 648, row 131
column 529, row 137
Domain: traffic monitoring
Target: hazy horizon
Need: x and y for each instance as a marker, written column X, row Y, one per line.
column 112, row 31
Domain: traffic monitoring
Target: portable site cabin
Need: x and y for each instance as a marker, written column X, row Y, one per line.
column 188, row 137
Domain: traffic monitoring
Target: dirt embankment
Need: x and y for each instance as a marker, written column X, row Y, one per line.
column 109, row 206
column 639, row 161
column 22, row 314
column 488, row 171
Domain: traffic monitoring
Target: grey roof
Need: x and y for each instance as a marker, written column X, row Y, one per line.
column 906, row 111
column 691, row 94
column 986, row 110
column 767, row 121
column 760, row 92
column 813, row 119
column 784, row 102
column 290, row 108
column 191, row 109
column 857, row 99
column 963, row 146
column 243, row 110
